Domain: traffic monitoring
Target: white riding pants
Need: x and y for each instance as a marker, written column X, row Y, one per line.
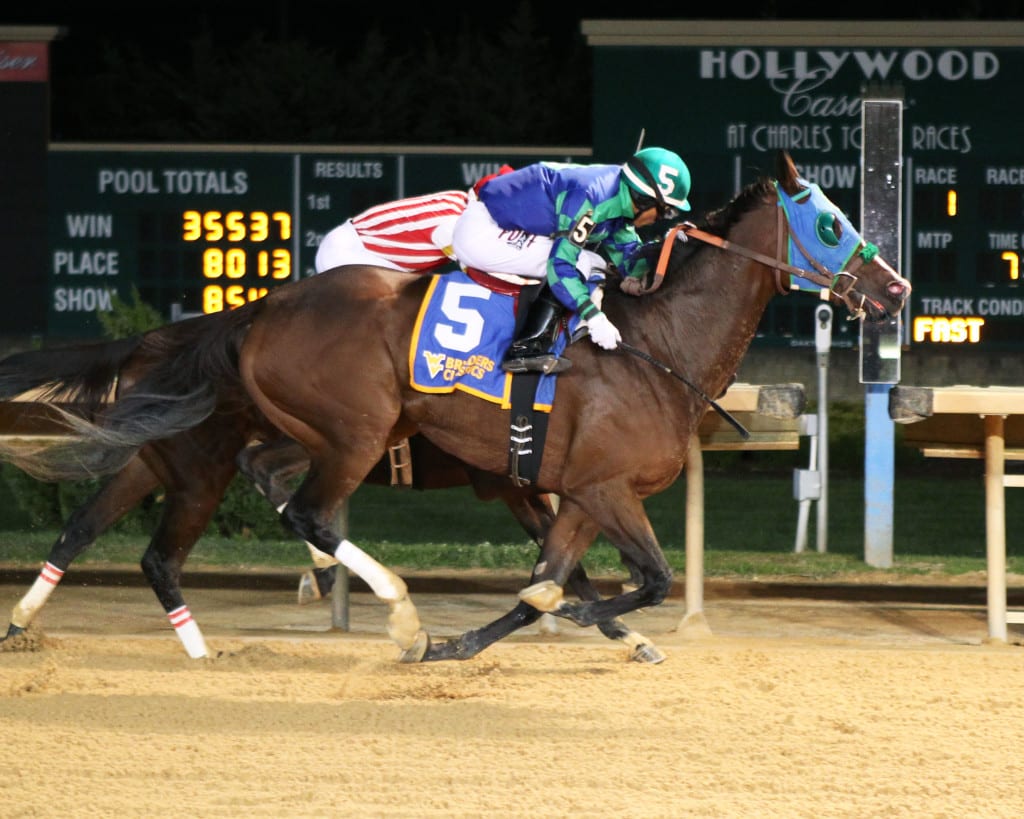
column 343, row 245
column 479, row 242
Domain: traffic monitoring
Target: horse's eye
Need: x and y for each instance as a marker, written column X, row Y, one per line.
column 829, row 229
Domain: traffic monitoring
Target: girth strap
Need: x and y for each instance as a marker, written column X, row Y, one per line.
column 527, row 426
column 528, row 430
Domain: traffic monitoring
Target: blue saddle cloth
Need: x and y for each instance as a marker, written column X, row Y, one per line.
column 460, row 338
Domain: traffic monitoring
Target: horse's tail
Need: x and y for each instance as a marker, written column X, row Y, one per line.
column 172, row 380
column 83, row 375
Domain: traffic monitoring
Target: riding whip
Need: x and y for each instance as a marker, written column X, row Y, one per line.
column 629, row 348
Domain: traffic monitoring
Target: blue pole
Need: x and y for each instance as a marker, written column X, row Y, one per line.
column 879, row 471
column 882, row 218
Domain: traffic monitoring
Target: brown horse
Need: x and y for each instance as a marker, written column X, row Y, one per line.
column 194, row 469
column 327, row 361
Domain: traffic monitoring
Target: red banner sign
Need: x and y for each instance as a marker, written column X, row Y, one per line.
column 24, row 62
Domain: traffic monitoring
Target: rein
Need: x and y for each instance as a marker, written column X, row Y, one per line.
column 776, row 263
column 629, row 348
column 840, row 284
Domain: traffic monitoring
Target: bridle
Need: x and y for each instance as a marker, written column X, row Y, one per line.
column 842, row 284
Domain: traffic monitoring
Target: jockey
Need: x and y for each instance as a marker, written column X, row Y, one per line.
column 563, row 224
column 412, row 235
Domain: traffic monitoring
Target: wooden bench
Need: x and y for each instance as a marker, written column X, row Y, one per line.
column 973, row 422
column 770, row 413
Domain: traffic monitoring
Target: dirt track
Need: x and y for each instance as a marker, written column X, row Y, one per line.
column 788, row 708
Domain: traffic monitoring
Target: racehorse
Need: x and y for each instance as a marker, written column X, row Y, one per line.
column 618, row 431
column 195, row 468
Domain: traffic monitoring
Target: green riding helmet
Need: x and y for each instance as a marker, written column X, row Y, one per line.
column 661, row 175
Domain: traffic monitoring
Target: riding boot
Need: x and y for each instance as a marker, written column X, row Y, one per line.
column 531, row 351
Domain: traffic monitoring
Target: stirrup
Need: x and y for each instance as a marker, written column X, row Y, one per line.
column 546, row 363
column 400, row 458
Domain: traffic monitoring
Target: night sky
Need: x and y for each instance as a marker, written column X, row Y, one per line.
column 165, row 28
column 165, row 31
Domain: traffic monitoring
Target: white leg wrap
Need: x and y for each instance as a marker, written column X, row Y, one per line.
column 36, row 597
column 385, row 584
column 403, row 619
column 188, row 632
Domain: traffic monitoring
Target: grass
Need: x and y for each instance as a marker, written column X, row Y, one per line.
column 750, row 527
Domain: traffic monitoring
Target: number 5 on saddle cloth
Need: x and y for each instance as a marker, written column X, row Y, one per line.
column 464, row 326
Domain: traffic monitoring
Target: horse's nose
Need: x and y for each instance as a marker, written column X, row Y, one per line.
column 898, row 289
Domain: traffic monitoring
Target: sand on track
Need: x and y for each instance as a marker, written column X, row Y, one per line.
column 807, row 710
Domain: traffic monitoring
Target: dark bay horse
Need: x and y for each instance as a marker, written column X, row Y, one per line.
column 195, row 467
column 326, row 360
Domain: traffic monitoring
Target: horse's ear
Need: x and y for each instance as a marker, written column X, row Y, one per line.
column 786, row 174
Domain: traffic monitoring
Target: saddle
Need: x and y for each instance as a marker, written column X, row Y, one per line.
column 442, row 360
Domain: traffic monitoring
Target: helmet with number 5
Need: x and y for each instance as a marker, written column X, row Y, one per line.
column 659, row 177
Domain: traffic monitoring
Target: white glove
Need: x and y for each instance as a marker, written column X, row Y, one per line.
column 632, row 286
column 603, row 333
column 681, row 233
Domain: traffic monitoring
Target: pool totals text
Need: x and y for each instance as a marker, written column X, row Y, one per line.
column 189, row 232
column 201, row 230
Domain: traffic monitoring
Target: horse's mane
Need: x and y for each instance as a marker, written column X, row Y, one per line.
column 718, row 222
column 721, row 220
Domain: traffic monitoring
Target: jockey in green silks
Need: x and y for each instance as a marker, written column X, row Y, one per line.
column 562, row 224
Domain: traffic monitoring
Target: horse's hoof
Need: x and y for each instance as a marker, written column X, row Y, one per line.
column 544, row 596
column 12, row 631
column 647, row 653
column 404, row 625
column 463, row 647
column 417, row 651
column 548, row 624
column 309, row 591
column 325, row 579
